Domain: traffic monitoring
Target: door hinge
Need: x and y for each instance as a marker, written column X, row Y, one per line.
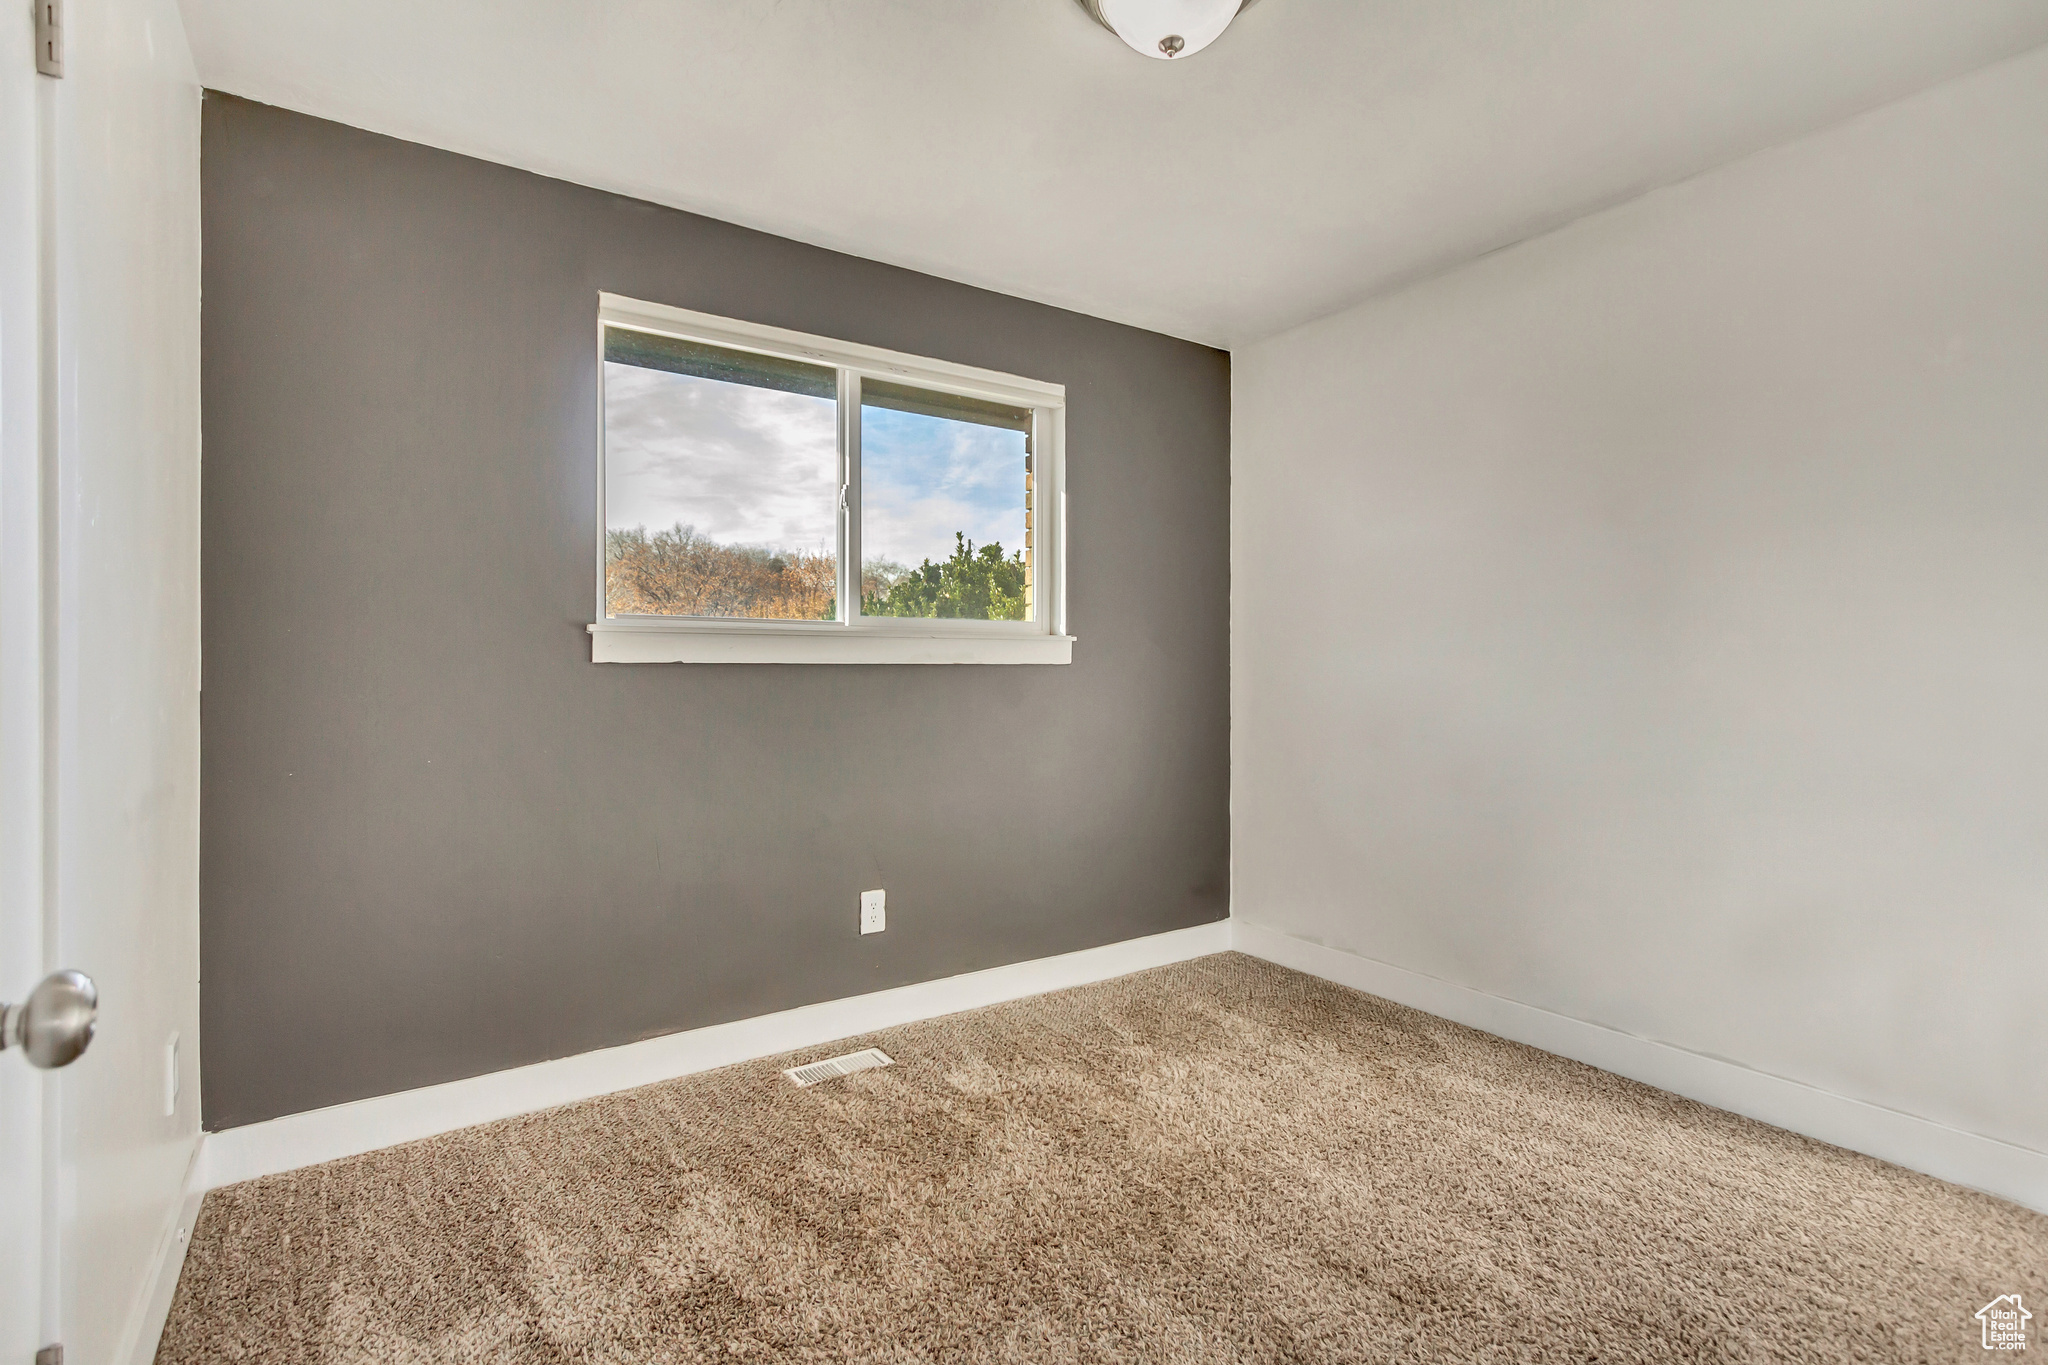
column 49, row 57
column 52, row 1354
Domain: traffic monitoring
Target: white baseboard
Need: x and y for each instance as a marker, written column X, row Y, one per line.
column 153, row 1303
column 1983, row 1163
column 307, row 1139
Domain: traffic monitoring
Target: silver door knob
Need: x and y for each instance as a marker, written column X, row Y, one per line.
column 54, row 1025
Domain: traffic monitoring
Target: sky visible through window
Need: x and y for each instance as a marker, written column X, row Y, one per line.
column 924, row 479
column 742, row 465
column 754, row 466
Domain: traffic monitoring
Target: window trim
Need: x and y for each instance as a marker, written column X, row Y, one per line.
column 853, row 638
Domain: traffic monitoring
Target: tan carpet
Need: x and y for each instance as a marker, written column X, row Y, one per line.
column 1217, row 1161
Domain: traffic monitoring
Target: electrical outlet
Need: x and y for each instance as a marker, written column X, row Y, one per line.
column 171, row 1077
column 874, row 918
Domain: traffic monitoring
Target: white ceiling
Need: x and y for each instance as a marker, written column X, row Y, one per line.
column 1320, row 151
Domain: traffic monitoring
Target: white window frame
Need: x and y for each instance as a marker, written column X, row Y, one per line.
column 853, row 638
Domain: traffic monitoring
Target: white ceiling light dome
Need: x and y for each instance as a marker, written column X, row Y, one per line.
column 1166, row 29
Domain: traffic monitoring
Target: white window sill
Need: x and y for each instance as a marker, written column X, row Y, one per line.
column 617, row 642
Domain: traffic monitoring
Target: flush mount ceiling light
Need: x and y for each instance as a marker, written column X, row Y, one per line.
column 1166, row 28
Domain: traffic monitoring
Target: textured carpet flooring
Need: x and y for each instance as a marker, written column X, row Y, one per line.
column 1216, row 1161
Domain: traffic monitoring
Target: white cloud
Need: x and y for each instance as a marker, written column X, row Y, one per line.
column 924, row 478
column 741, row 464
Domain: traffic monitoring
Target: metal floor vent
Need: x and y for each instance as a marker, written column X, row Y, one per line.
column 810, row 1073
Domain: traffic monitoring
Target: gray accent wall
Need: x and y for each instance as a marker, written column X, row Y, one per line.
column 437, row 840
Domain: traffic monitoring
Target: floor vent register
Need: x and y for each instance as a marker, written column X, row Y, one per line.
column 810, row 1073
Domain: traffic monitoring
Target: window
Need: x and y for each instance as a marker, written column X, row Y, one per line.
column 771, row 497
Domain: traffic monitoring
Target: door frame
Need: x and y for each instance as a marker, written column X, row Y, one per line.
column 28, row 1225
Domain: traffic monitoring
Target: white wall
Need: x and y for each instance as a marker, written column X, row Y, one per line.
column 121, row 256
column 1649, row 623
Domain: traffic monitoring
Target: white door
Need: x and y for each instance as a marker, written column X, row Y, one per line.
column 99, row 663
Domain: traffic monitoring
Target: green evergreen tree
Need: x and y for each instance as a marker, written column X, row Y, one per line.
column 971, row 584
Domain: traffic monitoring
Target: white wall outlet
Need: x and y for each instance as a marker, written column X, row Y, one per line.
column 171, row 1077
column 874, row 918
